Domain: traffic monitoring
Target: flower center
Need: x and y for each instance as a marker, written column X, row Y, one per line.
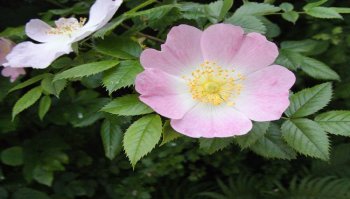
column 214, row 85
column 67, row 26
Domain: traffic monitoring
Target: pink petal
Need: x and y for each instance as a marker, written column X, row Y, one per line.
column 265, row 93
column 28, row 54
column 167, row 94
column 212, row 121
column 221, row 42
column 38, row 31
column 180, row 53
column 256, row 52
column 13, row 73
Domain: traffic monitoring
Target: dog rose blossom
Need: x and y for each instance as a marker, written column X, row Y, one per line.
column 214, row 83
column 57, row 41
column 6, row 47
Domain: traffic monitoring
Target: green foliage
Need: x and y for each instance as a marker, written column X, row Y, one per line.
column 141, row 137
column 306, row 137
column 309, row 101
column 258, row 131
column 111, row 135
column 253, row 8
column 123, row 76
column 86, row 70
column 12, row 156
column 44, row 106
column 335, row 122
column 212, row 145
column 169, row 134
column 271, row 145
column 127, row 105
column 26, row 101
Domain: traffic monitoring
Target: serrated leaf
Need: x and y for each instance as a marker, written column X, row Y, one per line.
column 212, row 145
column 309, row 101
column 248, row 23
column 86, row 69
column 290, row 16
column 111, row 135
column 26, row 101
column 253, row 8
column 314, row 4
column 306, row 137
column 122, row 76
column 323, row 13
column 44, row 106
column 126, row 48
column 301, row 46
column 127, row 105
column 335, row 122
column 289, row 59
column 169, row 134
column 12, row 156
column 271, row 145
column 29, row 82
column 318, row 70
column 212, row 10
column 258, row 131
column 141, row 137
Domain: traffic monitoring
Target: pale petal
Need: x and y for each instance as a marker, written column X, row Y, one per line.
column 38, row 31
column 221, row 42
column 28, row 54
column 13, row 73
column 180, row 54
column 212, row 121
column 100, row 13
column 166, row 94
column 256, row 52
column 265, row 93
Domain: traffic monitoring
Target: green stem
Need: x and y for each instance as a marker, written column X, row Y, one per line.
column 142, row 5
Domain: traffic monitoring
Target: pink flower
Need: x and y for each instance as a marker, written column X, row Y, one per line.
column 5, row 48
column 213, row 83
column 57, row 41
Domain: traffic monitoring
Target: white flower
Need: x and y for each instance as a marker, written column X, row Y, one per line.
column 57, row 41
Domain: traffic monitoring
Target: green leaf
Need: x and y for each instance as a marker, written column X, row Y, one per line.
column 248, row 23
column 309, row 101
column 289, row 59
column 341, row 10
column 271, row 145
column 12, row 156
column 318, row 70
column 126, row 48
column 335, row 122
column 225, row 8
column 290, row 16
column 44, row 106
column 169, row 134
column 253, row 8
column 43, row 176
column 29, row 82
column 111, row 135
column 127, row 105
column 212, row 145
column 27, row 193
column 287, row 7
column 314, row 4
column 323, row 13
column 122, row 76
column 212, row 10
column 86, row 69
column 141, row 137
column 306, row 137
column 54, row 88
column 301, row 46
column 258, row 131
column 26, row 101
